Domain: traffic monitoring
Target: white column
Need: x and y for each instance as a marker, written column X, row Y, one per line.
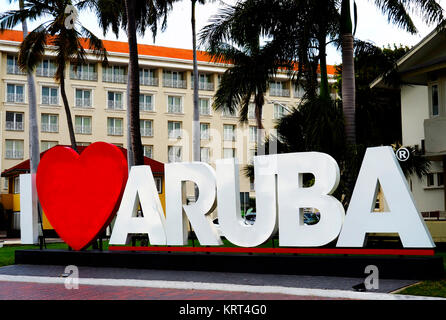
column 29, row 227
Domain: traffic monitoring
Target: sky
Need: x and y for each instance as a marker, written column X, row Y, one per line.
column 372, row 26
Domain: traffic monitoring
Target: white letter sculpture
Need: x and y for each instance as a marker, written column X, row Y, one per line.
column 203, row 176
column 380, row 165
column 228, row 198
column 140, row 189
column 293, row 197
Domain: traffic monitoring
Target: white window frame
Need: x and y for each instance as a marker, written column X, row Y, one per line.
column 145, row 94
column 181, row 104
column 15, row 84
column 114, row 100
column 83, row 128
column 15, row 153
column 83, row 97
column 50, row 102
column 115, row 132
column 146, row 131
column 205, row 135
column 49, row 127
column 177, row 131
column 15, row 125
column 175, row 150
column 232, row 136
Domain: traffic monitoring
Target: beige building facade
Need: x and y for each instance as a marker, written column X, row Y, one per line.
column 98, row 100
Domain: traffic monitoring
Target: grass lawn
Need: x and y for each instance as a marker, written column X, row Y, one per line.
column 433, row 288
column 7, row 252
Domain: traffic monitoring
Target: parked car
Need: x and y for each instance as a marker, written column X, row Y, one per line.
column 250, row 217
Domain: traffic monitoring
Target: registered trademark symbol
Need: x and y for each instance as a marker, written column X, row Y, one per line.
column 402, row 154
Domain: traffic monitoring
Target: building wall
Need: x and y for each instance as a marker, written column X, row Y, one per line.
column 414, row 110
column 99, row 111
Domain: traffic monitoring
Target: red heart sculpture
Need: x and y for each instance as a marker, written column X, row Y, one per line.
column 80, row 194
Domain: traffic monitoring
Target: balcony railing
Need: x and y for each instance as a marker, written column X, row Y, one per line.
column 14, row 70
column 83, row 103
column 209, row 86
column 14, row 126
column 114, row 131
column 279, row 92
column 14, row 154
column 45, row 72
column 145, row 107
column 80, row 75
column 175, row 134
column 114, row 105
column 15, row 97
column 50, row 127
column 173, row 108
column 169, row 83
column 83, row 129
column 114, row 78
column 146, row 132
column 148, row 81
column 50, row 100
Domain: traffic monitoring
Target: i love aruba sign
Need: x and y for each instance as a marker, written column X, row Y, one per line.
column 81, row 194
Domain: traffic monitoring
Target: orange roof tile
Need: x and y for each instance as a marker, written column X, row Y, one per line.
column 143, row 49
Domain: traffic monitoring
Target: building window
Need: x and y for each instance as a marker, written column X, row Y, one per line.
column 147, row 77
column 279, row 111
column 114, row 100
column 204, row 131
column 50, row 122
column 84, row 72
column 229, row 132
column 46, row 145
column 251, row 111
column 204, row 82
column 174, row 129
column 174, row 104
column 83, row 124
column 146, row 127
column 440, row 179
column 205, row 108
column 148, row 151
column 83, row 98
column 228, row 153
column 15, row 93
column 174, row 153
column 114, row 126
column 251, row 155
column 50, row 96
column 14, row 121
column 16, row 185
column 174, row 79
column 430, row 179
column 435, row 100
column 12, row 66
column 114, row 74
column 277, row 89
column 83, row 144
column 46, row 68
column 146, row 102
column 159, row 184
column 227, row 112
column 204, row 155
column 299, row 91
column 252, row 134
column 14, row 149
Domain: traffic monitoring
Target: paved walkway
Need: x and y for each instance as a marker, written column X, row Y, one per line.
column 45, row 283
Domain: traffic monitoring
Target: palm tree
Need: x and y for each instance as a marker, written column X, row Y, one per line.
column 68, row 42
column 252, row 66
column 133, row 16
column 398, row 13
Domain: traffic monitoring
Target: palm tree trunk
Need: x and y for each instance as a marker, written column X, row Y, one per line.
column 324, row 91
column 130, row 161
column 67, row 111
column 196, row 139
column 133, row 85
column 34, row 154
column 259, row 102
column 348, row 88
column 348, row 73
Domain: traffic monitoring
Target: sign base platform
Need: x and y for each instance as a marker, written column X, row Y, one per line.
column 390, row 267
